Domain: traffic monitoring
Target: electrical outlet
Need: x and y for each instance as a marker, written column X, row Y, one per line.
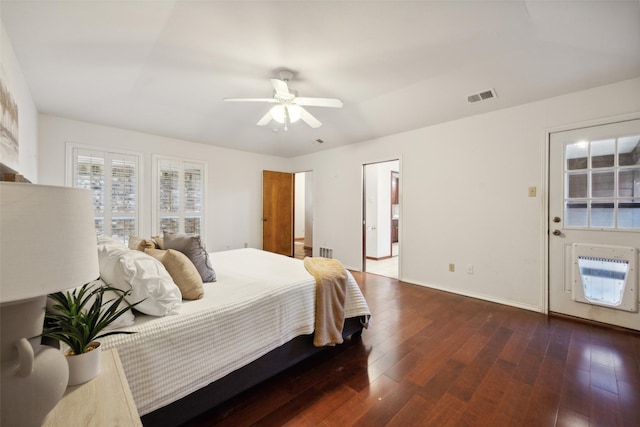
column 452, row 267
column 469, row 268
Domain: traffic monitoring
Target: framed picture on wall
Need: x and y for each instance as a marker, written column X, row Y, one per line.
column 9, row 148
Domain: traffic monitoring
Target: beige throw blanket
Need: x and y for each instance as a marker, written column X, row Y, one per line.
column 331, row 286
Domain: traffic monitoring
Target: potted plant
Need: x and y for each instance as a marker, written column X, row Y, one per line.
column 78, row 318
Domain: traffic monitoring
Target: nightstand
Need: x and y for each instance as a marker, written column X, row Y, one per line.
column 104, row 401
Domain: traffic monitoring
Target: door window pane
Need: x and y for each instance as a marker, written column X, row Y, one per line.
column 575, row 214
column 602, row 215
column 577, row 185
column 577, row 155
column 629, row 182
column 603, row 184
column 602, row 153
column 629, row 214
column 629, row 151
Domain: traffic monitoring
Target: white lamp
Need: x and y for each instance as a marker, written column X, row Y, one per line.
column 280, row 115
column 47, row 244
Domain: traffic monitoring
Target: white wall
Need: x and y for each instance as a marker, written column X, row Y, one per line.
column 463, row 194
column 13, row 78
column 234, row 181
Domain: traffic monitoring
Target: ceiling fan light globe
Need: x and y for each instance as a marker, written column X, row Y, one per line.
column 294, row 113
column 277, row 112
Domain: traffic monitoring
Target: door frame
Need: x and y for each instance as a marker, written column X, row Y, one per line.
column 313, row 208
column 546, row 184
column 363, row 207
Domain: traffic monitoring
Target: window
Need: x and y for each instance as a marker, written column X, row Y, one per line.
column 602, row 183
column 114, row 178
column 179, row 196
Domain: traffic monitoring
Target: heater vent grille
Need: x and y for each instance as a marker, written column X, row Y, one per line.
column 326, row 253
column 482, row 96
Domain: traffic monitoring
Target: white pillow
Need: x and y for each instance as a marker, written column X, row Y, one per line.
column 126, row 319
column 106, row 240
column 144, row 275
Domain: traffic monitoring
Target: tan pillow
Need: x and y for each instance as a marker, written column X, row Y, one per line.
column 139, row 244
column 159, row 242
column 181, row 270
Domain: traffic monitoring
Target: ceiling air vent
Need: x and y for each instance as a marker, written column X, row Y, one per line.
column 482, row 96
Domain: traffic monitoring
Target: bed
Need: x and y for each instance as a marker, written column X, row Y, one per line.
column 256, row 320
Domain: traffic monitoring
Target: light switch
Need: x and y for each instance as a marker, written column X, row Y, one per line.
column 532, row 191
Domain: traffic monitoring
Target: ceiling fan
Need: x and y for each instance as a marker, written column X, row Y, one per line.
column 289, row 106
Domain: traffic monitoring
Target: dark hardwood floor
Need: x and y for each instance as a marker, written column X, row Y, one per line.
column 437, row 359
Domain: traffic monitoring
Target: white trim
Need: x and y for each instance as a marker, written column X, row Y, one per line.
column 386, row 159
column 476, row 296
column 544, row 226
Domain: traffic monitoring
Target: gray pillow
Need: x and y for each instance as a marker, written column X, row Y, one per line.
column 191, row 245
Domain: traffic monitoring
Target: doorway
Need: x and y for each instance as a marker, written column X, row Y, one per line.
column 594, row 223
column 303, row 215
column 287, row 213
column 381, row 218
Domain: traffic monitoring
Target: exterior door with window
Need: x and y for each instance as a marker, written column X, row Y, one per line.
column 594, row 223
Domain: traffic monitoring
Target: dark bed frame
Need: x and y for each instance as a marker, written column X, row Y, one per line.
column 272, row 363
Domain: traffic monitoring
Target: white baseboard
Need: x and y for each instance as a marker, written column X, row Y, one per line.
column 477, row 296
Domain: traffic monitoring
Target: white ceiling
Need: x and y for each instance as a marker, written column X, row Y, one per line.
column 163, row 67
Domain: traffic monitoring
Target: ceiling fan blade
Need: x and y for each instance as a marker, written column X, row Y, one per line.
column 319, row 102
column 265, row 119
column 271, row 100
column 281, row 87
column 309, row 119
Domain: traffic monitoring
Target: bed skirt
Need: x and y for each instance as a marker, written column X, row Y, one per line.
column 242, row 379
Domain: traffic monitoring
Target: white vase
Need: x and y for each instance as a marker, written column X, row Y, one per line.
column 84, row 367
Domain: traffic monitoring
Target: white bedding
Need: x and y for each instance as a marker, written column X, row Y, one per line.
column 259, row 302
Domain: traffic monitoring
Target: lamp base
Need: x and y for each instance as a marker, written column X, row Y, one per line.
column 34, row 377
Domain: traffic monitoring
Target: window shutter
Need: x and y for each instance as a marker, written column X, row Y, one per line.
column 180, row 196
column 113, row 179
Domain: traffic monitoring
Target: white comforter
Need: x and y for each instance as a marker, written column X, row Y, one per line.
column 259, row 302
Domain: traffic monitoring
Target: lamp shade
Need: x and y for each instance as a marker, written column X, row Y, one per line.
column 47, row 240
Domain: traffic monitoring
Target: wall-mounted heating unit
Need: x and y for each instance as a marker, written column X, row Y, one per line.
column 606, row 276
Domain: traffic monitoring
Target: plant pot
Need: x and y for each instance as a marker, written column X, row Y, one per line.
column 84, row 367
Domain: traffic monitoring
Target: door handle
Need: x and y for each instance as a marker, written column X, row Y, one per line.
column 556, row 232
column 263, row 219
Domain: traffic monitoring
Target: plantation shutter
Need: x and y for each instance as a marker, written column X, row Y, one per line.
column 113, row 179
column 180, row 198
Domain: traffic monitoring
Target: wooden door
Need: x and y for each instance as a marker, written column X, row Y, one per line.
column 277, row 212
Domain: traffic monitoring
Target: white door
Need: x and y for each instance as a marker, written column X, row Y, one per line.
column 594, row 209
